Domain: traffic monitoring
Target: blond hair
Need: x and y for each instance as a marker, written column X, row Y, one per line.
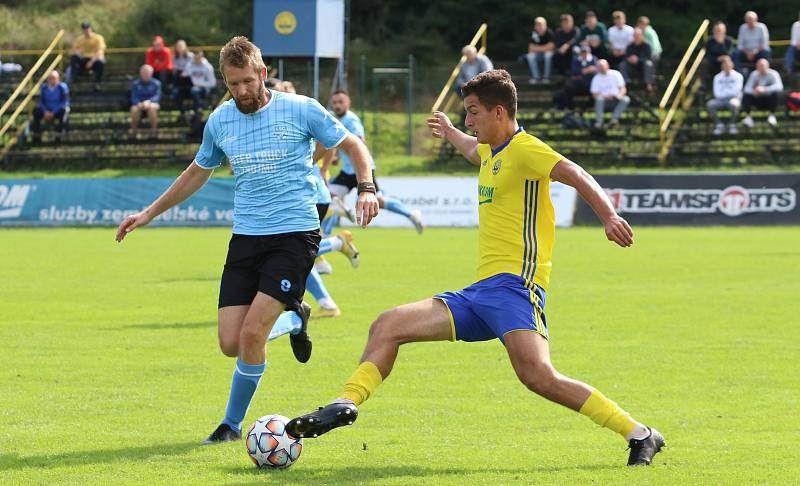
column 239, row 52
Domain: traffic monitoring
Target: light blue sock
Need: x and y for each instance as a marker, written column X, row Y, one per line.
column 324, row 247
column 245, row 381
column 287, row 322
column 316, row 286
column 329, row 224
column 395, row 206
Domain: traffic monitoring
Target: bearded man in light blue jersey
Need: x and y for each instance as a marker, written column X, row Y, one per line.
column 267, row 137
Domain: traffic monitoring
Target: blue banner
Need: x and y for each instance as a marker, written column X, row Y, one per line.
column 106, row 202
column 282, row 28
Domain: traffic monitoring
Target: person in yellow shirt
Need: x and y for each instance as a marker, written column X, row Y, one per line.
column 88, row 54
column 516, row 231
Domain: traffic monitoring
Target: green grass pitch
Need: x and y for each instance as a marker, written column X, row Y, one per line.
column 110, row 371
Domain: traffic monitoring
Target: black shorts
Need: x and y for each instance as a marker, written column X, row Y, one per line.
column 276, row 265
column 322, row 210
column 350, row 181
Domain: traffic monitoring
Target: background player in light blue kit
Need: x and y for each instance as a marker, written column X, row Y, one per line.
column 346, row 181
column 267, row 137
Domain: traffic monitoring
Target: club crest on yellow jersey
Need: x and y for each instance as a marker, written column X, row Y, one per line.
column 496, row 166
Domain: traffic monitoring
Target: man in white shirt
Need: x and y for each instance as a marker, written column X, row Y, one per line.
column 620, row 35
column 609, row 93
column 201, row 72
column 728, row 86
column 794, row 47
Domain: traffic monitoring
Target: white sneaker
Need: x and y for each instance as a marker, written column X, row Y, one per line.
column 773, row 122
column 748, row 122
column 340, row 209
column 416, row 218
column 323, row 267
column 732, row 129
column 719, row 129
column 533, row 81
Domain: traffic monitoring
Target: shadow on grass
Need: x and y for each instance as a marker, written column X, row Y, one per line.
column 185, row 280
column 10, row 462
column 164, row 325
column 173, row 325
column 353, row 475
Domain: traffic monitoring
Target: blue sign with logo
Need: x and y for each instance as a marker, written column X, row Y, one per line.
column 301, row 28
column 106, row 202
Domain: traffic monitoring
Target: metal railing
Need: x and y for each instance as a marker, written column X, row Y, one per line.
column 109, row 50
column 685, row 95
column 447, row 97
column 33, row 90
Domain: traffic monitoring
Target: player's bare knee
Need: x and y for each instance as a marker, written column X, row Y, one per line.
column 250, row 333
column 229, row 347
column 539, row 378
column 385, row 328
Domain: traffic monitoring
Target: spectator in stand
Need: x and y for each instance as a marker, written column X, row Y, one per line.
column 53, row 106
column 160, row 59
column 88, row 54
column 609, row 93
column 718, row 47
column 764, row 86
column 182, row 83
column 565, row 39
column 594, row 34
column 728, row 85
column 473, row 65
column 582, row 71
column 540, row 49
column 794, row 47
column 753, row 41
column 203, row 79
column 145, row 98
column 651, row 37
column 638, row 58
column 620, row 36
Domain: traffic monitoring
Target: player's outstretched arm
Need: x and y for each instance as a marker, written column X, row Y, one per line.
column 367, row 205
column 442, row 127
column 617, row 229
column 184, row 186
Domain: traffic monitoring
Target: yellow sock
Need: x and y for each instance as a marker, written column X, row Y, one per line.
column 364, row 381
column 606, row 413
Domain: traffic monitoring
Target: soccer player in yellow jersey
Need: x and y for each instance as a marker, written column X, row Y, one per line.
column 507, row 302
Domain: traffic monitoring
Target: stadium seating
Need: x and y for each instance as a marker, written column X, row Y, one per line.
column 98, row 130
column 695, row 145
column 98, row 135
column 636, row 141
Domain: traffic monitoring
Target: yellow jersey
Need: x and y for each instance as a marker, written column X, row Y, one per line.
column 89, row 46
column 516, row 226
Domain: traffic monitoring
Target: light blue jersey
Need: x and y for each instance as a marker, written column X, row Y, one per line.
column 353, row 124
column 270, row 152
column 323, row 194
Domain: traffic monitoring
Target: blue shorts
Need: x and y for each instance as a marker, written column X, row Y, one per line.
column 495, row 306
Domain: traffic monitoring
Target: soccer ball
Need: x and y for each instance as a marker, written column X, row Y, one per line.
column 268, row 444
